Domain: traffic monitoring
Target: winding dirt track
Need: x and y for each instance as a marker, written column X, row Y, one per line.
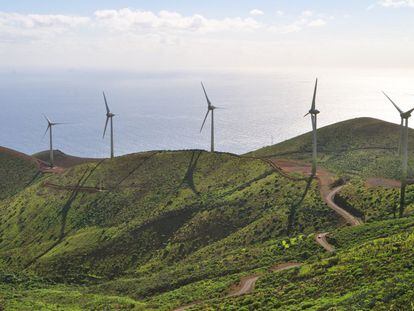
column 325, row 179
column 246, row 285
column 348, row 217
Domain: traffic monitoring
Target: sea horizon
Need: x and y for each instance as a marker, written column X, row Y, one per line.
column 163, row 110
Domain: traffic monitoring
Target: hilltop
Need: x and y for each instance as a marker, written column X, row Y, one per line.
column 362, row 146
column 163, row 229
column 62, row 159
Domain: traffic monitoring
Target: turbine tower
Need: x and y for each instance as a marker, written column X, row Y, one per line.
column 400, row 145
column 109, row 116
column 49, row 128
column 314, row 117
column 211, row 108
column 404, row 146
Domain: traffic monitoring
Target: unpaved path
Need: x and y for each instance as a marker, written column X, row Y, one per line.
column 349, row 218
column 246, row 284
column 326, row 179
column 321, row 240
column 71, row 188
column 382, row 182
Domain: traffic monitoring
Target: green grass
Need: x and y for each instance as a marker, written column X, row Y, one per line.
column 371, row 271
column 174, row 227
column 16, row 172
column 359, row 147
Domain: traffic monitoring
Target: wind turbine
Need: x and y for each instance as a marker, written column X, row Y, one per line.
column 211, row 108
column 404, row 146
column 109, row 116
column 402, row 115
column 49, row 128
column 314, row 116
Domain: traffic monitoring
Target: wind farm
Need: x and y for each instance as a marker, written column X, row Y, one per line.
column 219, row 197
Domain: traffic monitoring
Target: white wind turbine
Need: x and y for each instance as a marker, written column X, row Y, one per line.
column 211, row 108
column 314, row 116
column 49, row 128
column 109, row 116
column 403, row 150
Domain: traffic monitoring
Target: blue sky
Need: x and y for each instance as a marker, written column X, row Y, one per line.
column 198, row 34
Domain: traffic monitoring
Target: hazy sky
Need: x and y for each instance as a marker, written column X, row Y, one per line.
column 188, row 34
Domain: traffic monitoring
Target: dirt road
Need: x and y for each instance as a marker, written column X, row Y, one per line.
column 246, row 284
column 71, row 188
column 326, row 179
column 349, row 218
column 321, row 240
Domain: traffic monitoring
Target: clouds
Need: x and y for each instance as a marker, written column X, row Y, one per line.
column 132, row 38
column 256, row 12
column 317, row 23
column 165, row 21
column 397, row 3
column 131, row 21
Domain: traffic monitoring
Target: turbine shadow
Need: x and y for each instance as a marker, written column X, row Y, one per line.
column 293, row 210
column 189, row 175
column 65, row 210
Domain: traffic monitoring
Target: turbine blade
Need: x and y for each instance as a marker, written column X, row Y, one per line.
column 314, row 95
column 205, row 93
column 409, row 111
column 205, row 118
column 46, row 131
column 47, row 119
column 395, row 105
column 106, row 103
column 106, row 125
column 306, row 114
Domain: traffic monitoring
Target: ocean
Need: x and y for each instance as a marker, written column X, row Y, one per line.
column 164, row 110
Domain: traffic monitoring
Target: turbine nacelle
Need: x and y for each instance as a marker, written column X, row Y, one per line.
column 314, row 111
column 406, row 115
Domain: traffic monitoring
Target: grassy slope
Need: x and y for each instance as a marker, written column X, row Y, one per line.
column 162, row 222
column 358, row 147
column 371, row 270
column 17, row 170
column 61, row 159
column 166, row 243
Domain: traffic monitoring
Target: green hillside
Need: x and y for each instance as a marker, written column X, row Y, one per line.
column 361, row 146
column 163, row 229
column 16, row 172
column 61, row 159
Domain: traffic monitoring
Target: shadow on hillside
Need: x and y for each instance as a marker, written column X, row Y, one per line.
column 189, row 175
column 65, row 210
column 293, row 210
column 119, row 183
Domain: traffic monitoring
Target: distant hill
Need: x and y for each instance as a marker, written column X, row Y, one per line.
column 362, row 146
column 62, row 159
column 17, row 170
